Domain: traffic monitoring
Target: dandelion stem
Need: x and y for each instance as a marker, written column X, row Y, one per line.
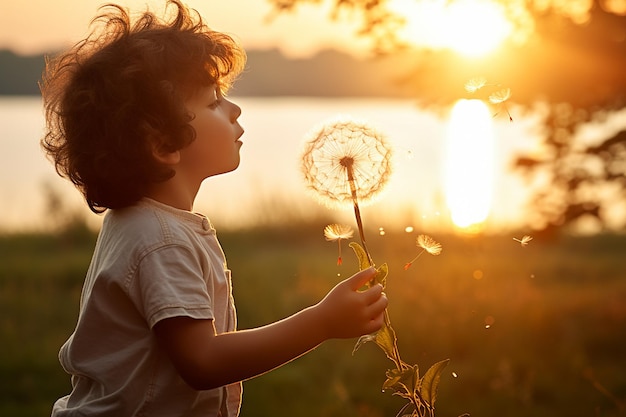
column 348, row 163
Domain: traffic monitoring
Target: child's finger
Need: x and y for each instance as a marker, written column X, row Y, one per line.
column 373, row 294
column 359, row 279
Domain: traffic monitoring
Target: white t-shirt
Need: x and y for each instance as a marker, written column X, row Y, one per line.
column 151, row 262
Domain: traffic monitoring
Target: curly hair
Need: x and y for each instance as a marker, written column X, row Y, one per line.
column 118, row 94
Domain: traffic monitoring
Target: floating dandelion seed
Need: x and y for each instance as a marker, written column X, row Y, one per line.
column 381, row 231
column 334, row 232
column 524, row 240
column 500, row 97
column 408, row 229
column 346, row 162
column 475, row 84
column 428, row 244
column 455, row 375
column 337, row 232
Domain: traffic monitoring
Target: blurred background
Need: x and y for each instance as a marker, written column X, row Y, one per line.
column 507, row 118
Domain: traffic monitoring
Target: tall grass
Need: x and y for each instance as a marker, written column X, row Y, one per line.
column 531, row 331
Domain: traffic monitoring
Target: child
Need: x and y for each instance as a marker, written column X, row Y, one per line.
column 137, row 119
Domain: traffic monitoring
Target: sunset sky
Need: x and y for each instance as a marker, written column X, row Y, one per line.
column 471, row 27
column 42, row 25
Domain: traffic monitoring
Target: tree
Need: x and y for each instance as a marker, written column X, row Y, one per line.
column 570, row 62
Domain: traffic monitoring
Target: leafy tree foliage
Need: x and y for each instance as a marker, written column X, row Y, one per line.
column 566, row 60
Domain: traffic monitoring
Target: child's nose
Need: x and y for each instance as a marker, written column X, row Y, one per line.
column 235, row 111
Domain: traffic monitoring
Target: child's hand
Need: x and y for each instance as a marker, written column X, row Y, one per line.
column 347, row 312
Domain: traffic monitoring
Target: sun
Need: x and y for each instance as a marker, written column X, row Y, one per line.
column 472, row 28
column 469, row 164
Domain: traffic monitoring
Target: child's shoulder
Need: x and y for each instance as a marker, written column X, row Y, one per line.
column 135, row 231
column 154, row 221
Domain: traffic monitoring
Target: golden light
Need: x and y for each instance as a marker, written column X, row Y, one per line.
column 469, row 165
column 469, row 27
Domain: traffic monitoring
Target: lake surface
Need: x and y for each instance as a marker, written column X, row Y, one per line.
column 268, row 185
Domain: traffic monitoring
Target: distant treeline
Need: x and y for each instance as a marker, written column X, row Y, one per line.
column 268, row 73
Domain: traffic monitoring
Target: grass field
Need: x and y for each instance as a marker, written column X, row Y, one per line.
column 530, row 331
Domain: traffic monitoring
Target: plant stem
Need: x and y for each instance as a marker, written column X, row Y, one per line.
column 348, row 163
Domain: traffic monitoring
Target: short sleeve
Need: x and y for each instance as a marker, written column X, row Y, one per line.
column 170, row 283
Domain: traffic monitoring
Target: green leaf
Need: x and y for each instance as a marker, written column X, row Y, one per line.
column 364, row 261
column 381, row 275
column 402, row 382
column 386, row 339
column 430, row 382
column 363, row 340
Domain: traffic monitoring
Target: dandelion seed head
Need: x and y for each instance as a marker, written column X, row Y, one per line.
column 339, row 145
column 429, row 244
column 334, row 232
column 500, row 96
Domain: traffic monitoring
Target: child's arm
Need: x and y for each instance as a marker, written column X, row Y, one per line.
column 207, row 360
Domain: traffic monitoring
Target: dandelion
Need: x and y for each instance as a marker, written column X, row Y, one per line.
column 524, row 240
column 428, row 244
column 349, row 162
column 338, row 232
column 346, row 162
column 345, row 154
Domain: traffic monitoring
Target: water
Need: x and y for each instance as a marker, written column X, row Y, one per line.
column 268, row 183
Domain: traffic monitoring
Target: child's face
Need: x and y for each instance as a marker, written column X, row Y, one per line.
column 216, row 147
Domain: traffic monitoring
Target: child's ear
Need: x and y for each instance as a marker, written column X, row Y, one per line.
column 164, row 156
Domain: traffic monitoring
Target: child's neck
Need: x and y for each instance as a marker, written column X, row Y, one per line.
column 174, row 194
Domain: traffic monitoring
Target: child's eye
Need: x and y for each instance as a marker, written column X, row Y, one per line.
column 216, row 99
